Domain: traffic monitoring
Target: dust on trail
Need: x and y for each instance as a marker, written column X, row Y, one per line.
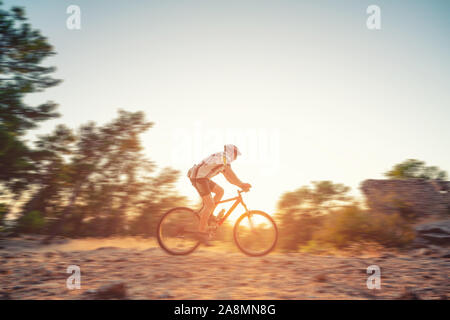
column 94, row 243
column 29, row 270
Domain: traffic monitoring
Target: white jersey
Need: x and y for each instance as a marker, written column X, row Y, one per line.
column 210, row 167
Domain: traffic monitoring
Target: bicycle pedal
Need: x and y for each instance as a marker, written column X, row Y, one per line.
column 211, row 234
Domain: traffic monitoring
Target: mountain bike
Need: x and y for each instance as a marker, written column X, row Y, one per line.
column 255, row 233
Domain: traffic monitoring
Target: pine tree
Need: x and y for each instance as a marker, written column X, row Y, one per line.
column 22, row 50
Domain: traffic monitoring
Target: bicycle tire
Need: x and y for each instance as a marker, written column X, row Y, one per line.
column 240, row 245
column 160, row 237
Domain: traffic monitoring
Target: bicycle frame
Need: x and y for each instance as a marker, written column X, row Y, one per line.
column 238, row 200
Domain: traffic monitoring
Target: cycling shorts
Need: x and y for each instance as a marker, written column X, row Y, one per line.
column 203, row 186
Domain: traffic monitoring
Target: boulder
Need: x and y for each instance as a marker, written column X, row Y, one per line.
column 439, row 227
column 5, row 296
column 321, row 277
column 437, row 233
column 115, row 290
column 165, row 295
column 408, row 294
column 423, row 252
column 446, row 255
column 436, row 238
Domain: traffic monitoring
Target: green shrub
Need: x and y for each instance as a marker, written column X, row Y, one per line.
column 3, row 212
column 352, row 225
column 297, row 231
column 316, row 247
column 391, row 230
column 31, row 222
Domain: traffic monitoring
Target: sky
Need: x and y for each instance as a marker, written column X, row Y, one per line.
column 304, row 88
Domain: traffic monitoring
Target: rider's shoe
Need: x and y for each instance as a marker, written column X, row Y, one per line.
column 212, row 220
column 203, row 237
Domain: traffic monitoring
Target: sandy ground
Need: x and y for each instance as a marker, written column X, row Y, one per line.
column 29, row 270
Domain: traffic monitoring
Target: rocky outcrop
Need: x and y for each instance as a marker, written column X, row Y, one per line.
column 415, row 196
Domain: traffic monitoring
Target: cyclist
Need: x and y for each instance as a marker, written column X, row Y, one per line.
column 200, row 176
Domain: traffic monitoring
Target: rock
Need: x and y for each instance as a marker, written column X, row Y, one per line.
column 115, row 290
column 436, row 238
column 419, row 243
column 46, row 241
column 106, row 248
column 42, row 272
column 408, row 294
column 18, row 287
column 49, row 254
column 437, row 232
column 12, row 234
column 423, row 252
column 321, row 277
column 440, row 227
column 5, row 296
column 61, row 240
column 165, row 295
column 90, row 292
column 446, row 256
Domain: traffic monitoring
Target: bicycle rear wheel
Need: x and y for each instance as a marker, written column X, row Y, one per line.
column 255, row 233
column 176, row 231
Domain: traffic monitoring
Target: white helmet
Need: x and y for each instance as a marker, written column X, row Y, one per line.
column 231, row 151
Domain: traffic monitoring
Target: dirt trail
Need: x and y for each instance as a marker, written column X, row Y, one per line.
column 31, row 271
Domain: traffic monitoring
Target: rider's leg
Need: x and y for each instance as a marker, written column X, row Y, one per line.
column 218, row 193
column 205, row 212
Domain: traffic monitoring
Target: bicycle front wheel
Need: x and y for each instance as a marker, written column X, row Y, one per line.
column 176, row 231
column 255, row 233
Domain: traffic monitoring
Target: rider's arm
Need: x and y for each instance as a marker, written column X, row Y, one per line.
column 231, row 177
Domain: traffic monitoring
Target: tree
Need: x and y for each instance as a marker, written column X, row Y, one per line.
column 320, row 199
column 22, row 51
column 103, row 174
column 96, row 181
column 3, row 211
column 83, row 182
column 416, row 169
column 52, row 172
column 158, row 196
